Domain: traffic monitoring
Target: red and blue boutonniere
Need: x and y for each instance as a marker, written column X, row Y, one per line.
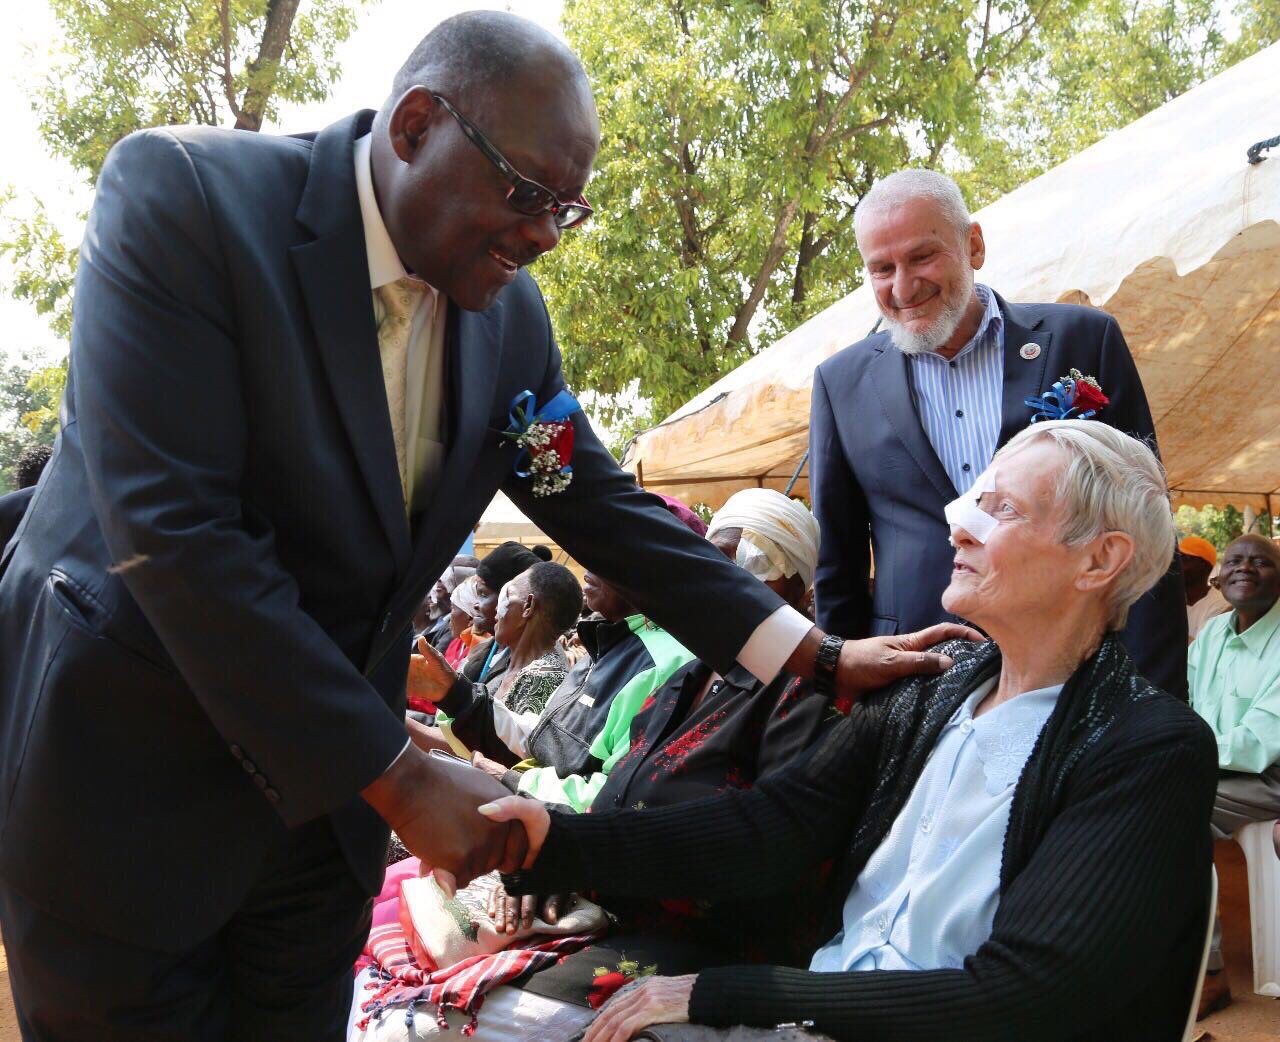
column 545, row 438
column 1072, row 397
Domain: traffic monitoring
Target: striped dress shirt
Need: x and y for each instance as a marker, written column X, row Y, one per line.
column 959, row 400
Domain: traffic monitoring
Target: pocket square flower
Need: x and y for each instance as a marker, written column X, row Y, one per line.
column 1072, row 397
column 545, row 438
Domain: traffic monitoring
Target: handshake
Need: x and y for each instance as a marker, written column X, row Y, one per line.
column 461, row 822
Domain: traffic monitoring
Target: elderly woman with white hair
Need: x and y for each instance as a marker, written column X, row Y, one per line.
column 1022, row 845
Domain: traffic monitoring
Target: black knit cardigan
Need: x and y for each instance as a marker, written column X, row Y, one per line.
column 1103, row 884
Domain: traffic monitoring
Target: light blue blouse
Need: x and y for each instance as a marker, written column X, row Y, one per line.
column 928, row 895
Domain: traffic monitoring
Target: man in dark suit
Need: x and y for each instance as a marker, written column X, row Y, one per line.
column 906, row 419
column 292, row 365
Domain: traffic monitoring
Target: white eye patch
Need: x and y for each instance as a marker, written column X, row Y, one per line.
column 964, row 512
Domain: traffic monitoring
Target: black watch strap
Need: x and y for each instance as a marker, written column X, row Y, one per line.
column 824, row 666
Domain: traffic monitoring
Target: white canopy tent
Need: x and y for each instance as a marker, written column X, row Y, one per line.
column 1164, row 224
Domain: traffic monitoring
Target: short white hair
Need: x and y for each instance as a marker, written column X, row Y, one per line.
column 893, row 191
column 1111, row 483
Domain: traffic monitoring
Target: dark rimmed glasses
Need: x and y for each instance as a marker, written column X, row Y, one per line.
column 526, row 196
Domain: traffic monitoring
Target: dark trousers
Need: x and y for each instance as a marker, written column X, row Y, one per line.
column 281, row 969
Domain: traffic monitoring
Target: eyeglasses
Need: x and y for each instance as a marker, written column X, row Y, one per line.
column 525, row 196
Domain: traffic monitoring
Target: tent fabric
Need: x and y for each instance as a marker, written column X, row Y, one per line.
column 1163, row 224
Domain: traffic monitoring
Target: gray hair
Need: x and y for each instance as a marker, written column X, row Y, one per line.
column 1112, row 483
column 898, row 188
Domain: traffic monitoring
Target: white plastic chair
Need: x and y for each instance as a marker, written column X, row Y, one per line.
column 1264, row 904
column 1190, row 1031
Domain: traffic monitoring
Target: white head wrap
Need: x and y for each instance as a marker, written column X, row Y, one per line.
column 779, row 535
column 465, row 596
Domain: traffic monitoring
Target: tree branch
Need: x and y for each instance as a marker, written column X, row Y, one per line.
column 262, row 70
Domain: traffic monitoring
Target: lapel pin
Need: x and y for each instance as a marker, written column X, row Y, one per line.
column 1029, row 351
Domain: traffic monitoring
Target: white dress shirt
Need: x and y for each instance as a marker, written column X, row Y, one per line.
column 421, row 426
column 959, row 400
column 928, row 895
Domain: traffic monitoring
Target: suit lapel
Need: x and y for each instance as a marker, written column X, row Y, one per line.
column 1023, row 377
column 333, row 271
column 893, row 384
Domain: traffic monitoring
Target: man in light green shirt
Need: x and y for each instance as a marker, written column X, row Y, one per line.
column 1233, row 672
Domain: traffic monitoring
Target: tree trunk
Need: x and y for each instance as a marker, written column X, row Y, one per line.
column 280, row 15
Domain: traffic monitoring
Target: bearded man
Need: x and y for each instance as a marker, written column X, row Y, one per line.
column 905, row 420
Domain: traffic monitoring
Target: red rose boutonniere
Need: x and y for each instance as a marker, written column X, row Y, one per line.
column 545, row 439
column 1072, row 397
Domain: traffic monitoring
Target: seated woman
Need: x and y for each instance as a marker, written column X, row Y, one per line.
column 1022, row 843
column 487, row 660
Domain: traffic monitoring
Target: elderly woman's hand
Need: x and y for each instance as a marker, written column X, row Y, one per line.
column 652, row 1000
column 430, row 676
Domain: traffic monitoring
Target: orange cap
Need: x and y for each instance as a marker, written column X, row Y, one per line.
column 1194, row 546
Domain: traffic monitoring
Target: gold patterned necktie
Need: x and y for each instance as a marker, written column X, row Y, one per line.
column 400, row 302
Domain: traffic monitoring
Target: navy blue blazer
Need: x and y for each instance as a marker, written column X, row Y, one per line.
column 878, row 486
column 205, row 614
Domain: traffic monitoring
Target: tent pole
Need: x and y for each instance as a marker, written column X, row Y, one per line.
column 796, row 476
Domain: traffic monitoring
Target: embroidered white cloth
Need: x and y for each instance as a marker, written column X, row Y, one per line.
column 928, row 894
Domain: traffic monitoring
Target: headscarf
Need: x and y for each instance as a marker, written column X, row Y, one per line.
column 684, row 514
column 466, row 598
column 454, row 576
column 1194, row 546
column 779, row 535
column 504, row 563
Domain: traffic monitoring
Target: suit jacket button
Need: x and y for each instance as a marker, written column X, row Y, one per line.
column 249, row 766
column 260, row 780
column 237, row 752
column 271, row 795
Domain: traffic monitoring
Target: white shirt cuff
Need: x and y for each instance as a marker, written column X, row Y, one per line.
column 403, row 749
column 772, row 643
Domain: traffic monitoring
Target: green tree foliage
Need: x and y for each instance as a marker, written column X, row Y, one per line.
column 738, row 135
column 1219, row 525
column 122, row 65
column 29, row 397
column 126, row 64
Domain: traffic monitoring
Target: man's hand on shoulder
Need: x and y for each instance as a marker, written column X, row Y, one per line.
column 865, row 665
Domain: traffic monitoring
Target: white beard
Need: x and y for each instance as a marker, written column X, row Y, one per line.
column 943, row 328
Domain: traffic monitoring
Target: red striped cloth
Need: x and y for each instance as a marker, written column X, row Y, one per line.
column 403, row 984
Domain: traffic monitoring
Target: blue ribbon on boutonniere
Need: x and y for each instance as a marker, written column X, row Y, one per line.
column 541, row 432
column 1059, row 402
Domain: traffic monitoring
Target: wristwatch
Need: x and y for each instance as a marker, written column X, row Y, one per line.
column 824, row 666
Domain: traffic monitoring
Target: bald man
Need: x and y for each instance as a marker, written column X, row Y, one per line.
column 292, row 365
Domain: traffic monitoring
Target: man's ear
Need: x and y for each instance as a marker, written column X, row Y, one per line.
column 410, row 120
column 977, row 246
column 529, row 605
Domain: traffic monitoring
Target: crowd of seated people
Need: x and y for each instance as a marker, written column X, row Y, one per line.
column 566, row 751
column 979, row 841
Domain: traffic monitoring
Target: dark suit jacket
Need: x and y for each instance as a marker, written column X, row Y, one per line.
column 205, row 623
column 878, row 485
column 13, row 507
